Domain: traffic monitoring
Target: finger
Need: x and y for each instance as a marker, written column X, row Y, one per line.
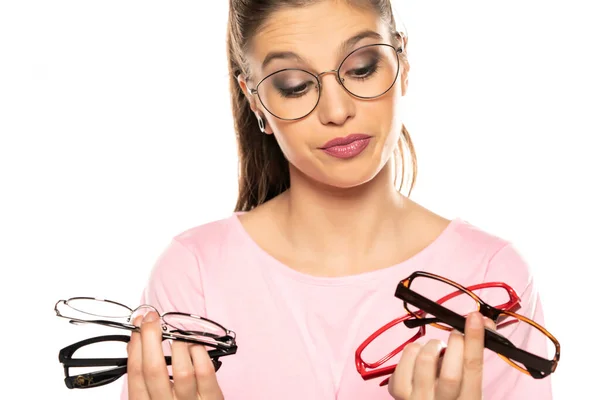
column 136, row 387
column 450, row 378
column 154, row 366
column 183, row 371
column 424, row 378
column 206, row 377
column 473, row 357
column 488, row 323
column 400, row 383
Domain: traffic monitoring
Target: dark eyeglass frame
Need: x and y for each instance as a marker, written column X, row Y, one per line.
column 106, row 376
column 535, row 366
column 219, row 342
column 371, row 370
column 398, row 50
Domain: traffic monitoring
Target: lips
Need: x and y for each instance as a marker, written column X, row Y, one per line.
column 346, row 147
column 344, row 141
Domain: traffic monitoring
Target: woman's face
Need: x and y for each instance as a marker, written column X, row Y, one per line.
column 311, row 38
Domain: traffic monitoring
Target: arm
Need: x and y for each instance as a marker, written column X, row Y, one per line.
column 501, row 381
column 174, row 285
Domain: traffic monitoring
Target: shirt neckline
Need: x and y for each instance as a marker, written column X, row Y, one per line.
column 405, row 266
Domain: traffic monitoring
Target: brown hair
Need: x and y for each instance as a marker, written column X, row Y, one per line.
column 263, row 170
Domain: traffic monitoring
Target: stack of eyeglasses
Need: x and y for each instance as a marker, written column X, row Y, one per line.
column 100, row 371
column 537, row 356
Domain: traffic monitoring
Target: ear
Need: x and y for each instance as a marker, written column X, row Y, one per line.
column 252, row 100
column 244, row 86
column 402, row 42
column 404, row 77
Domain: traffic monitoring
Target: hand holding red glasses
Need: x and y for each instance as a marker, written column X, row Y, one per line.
column 440, row 372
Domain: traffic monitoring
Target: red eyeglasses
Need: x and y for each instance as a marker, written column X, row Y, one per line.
column 370, row 369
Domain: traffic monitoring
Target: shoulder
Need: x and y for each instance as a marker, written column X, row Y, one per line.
column 471, row 237
column 177, row 277
column 467, row 251
column 209, row 234
column 491, row 258
column 190, row 250
column 454, row 238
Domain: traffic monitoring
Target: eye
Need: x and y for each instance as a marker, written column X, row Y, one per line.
column 365, row 71
column 363, row 67
column 296, row 90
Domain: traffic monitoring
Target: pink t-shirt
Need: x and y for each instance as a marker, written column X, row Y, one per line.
column 297, row 334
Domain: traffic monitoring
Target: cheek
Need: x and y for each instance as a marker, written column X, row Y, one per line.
column 291, row 140
column 386, row 112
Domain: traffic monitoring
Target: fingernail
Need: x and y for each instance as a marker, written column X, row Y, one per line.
column 150, row 317
column 137, row 321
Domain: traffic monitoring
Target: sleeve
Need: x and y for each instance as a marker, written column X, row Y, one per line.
column 501, row 380
column 174, row 285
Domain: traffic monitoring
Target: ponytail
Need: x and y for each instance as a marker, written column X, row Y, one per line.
column 263, row 169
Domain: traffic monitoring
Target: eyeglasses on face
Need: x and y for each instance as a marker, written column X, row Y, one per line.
column 175, row 325
column 539, row 357
column 370, row 366
column 101, row 375
column 366, row 73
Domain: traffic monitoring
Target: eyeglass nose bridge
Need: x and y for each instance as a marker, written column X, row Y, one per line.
column 331, row 71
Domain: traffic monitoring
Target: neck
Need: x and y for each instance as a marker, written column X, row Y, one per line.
column 344, row 224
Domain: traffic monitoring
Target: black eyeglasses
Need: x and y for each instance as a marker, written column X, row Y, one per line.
column 175, row 325
column 366, row 73
column 538, row 361
column 101, row 376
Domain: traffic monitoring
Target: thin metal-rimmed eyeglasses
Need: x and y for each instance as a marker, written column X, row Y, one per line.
column 367, row 72
column 368, row 358
column 175, row 325
column 103, row 376
column 540, row 351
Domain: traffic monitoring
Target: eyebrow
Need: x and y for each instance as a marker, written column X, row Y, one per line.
column 342, row 48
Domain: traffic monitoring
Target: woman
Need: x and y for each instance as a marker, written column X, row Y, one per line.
column 306, row 268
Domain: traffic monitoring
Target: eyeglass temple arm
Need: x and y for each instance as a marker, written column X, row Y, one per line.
column 512, row 305
column 65, row 354
column 93, row 379
column 88, row 379
column 166, row 335
column 418, row 322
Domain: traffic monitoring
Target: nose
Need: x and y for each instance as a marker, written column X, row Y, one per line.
column 336, row 105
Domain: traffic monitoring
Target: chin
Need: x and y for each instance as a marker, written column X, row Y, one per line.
column 351, row 176
column 342, row 174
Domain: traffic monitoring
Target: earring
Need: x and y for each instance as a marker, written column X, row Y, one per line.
column 261, row 124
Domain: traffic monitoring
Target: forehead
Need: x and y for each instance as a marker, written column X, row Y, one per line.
column 314, row 32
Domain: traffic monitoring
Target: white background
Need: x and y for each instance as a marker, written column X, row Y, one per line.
column 116, row 135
